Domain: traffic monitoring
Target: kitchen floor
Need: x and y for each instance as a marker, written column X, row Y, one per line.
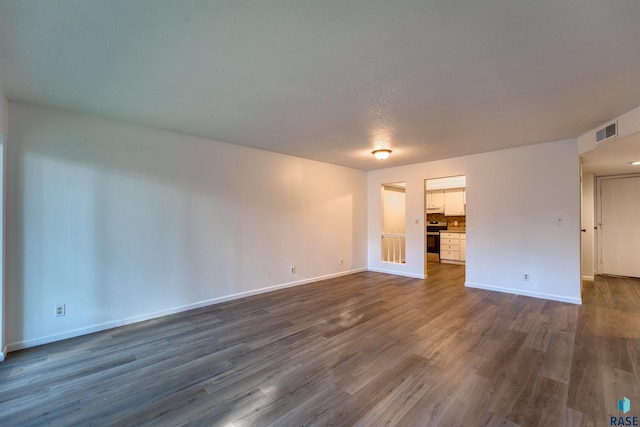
column 444, row 268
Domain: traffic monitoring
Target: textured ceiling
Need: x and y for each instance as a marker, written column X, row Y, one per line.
column 328, row 80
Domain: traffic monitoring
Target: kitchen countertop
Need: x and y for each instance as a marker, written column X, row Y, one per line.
column 454, row 230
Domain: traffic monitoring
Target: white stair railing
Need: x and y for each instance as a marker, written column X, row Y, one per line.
column 393, row 247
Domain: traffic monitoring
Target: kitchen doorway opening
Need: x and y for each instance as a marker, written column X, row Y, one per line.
column 393, row 235
column 446, row 222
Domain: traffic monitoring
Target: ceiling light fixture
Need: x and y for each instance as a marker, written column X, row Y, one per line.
column 634, row 163
column 381, row 153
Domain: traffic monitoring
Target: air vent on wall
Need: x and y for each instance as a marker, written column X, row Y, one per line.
column 607, row 132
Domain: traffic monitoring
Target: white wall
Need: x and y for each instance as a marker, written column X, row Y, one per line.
column 587, row 244
column 4, row 130
column 123, row 222
column 514, row 199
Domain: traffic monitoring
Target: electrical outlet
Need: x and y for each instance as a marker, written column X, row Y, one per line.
column 341, row 261
column 526, row 277
column 292, row 269
column 60, row 310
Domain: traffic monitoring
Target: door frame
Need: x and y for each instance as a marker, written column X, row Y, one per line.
column 3, row 203
column 598, row 220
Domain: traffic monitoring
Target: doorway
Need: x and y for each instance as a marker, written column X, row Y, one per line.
column 446, row 221
column 619, row 225
column 2, row 281
column 610, row 162
column 393, row 236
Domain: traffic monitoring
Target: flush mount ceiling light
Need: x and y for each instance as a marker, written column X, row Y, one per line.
column 634, row 163
column 381, row 153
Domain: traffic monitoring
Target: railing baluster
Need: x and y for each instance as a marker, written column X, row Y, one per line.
column 395, row 243
column 398, row 253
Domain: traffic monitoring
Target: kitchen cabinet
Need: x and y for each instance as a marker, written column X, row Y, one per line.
column 449, row 246
column 454, row 202
column 453, row 247
column 435, row 201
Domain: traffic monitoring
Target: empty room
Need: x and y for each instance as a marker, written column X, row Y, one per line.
column 252, row 213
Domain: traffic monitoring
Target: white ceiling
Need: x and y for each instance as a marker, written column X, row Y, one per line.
column 326, row 80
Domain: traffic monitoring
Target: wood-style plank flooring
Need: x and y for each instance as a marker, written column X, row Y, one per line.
column 365, row 349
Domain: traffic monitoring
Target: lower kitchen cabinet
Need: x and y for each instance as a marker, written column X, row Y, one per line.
column 451, row 247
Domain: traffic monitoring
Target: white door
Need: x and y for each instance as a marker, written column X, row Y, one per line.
column 620, row 226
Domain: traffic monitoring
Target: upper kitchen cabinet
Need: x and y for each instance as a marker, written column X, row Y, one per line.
column 446, row 195
column 435, row 201
column 454, row 202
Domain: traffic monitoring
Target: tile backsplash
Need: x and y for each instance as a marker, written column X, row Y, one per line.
column 449, row 219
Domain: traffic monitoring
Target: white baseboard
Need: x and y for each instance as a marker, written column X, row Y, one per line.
column 552, row 297
column 63, row 335
column 588, row 278
column 147, row 316
column 397, row 273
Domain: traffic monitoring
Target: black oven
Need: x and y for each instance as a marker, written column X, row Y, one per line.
column 433, row 239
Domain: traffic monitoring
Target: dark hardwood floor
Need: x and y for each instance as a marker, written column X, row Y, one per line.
column 366, row 349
